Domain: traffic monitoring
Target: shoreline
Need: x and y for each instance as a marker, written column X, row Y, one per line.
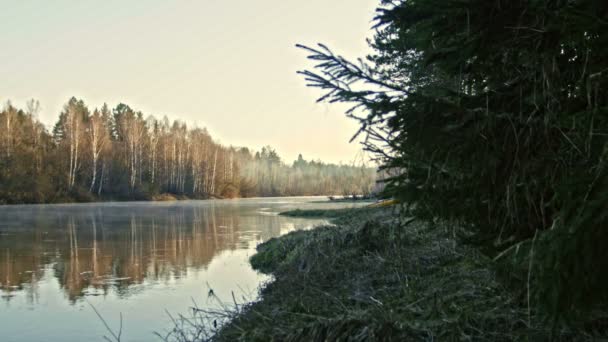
column 371, row 277
column 178, row 198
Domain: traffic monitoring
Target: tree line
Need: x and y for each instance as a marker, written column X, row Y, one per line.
column 121, row 154
column 494, row 116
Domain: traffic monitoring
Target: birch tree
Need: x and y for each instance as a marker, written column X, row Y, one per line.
column 98, row 139
column 9, row 116
column 153, row 138
column 68, row 132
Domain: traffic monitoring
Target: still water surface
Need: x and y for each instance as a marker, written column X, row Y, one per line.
column 140, row 259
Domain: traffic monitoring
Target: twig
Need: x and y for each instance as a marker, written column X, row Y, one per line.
column 114, row 335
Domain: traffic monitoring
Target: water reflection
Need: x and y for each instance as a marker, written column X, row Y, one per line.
column 91, row 250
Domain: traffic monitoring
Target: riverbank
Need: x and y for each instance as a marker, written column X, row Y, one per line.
column 89, row 198
column 167, row 197
column 367, row 278
column 163, row 197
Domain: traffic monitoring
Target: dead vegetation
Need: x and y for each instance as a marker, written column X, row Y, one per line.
column 372, row 278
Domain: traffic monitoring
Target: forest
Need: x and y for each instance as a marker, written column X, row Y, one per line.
column 121, row 154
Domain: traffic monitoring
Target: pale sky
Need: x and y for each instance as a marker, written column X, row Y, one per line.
column 229, row 66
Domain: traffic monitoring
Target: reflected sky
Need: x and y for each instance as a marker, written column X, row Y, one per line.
column 138, row 259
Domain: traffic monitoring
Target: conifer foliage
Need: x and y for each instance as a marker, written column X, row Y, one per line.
column 495, row 114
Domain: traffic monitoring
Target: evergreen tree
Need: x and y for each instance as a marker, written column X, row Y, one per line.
column 493, row 115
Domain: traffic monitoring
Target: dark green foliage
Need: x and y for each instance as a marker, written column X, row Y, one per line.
column 495, row 115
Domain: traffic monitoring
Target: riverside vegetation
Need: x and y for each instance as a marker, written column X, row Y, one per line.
column 491, row 118
column 377, row 276
column 118, row 154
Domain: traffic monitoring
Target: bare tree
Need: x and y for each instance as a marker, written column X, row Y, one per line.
column 69, row 131
column 10, row 114
column 98, row 139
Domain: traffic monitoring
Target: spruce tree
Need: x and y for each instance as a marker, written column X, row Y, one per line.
column 494, row 115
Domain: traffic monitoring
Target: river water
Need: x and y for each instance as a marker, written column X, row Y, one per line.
column 141, row 260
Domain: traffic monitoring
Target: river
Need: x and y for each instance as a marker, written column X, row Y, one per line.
column 141, row 260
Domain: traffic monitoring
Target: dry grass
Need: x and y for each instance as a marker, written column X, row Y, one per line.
column 372, row 279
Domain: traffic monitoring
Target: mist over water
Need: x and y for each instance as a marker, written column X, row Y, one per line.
column 134, row 258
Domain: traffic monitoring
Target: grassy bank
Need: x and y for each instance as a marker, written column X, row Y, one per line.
column 370, row 277
column 367, row 278
column 323, row 213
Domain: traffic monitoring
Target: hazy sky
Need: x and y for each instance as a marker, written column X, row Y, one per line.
column 229, row 66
